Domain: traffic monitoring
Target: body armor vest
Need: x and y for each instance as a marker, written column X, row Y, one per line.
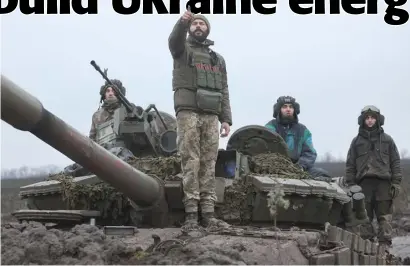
column 203, row 74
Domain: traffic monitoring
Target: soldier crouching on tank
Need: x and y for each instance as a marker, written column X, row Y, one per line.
column 201, row 99
column 297, row 137
column 373, row 162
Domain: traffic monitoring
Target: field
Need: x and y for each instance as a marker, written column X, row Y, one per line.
column 11, row 202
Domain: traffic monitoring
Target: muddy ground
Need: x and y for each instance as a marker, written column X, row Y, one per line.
column 34, row 243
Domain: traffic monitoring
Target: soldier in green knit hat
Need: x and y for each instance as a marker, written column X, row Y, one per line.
column 201, row 102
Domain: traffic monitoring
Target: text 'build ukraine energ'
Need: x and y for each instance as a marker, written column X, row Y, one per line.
column 395, row 14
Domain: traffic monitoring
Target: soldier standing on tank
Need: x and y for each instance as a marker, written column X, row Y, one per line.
column 201, row 99
column 373, row 162
column 296, row 135
column 110, row 104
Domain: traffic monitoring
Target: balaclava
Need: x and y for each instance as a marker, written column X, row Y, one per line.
column 206, row 34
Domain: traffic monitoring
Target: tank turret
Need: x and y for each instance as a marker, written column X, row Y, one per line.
column 132, row 131
column 24, row 112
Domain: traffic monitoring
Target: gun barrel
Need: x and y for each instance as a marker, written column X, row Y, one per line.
column 121, row 97
column 25, row 112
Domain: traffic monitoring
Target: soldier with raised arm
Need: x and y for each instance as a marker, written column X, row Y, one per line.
column 201, row 101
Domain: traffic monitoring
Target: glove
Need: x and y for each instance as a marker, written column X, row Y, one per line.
column 394, row 190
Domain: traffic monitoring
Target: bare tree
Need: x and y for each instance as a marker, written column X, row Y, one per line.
column 328, row 157
column 404, row 153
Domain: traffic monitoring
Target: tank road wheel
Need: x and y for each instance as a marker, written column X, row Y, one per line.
column 254, row 139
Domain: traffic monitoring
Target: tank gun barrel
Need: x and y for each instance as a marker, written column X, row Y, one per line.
column 25, row 112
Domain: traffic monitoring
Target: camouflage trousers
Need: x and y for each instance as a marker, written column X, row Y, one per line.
column 198, row 142
column 379, row 203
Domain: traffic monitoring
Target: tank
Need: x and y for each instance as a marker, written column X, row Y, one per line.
column 133, row 131
column 145, row 189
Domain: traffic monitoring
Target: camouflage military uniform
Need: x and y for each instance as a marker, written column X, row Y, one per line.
column 103, row 114
column 373, row 162
column 106, row 112
column 201, row 99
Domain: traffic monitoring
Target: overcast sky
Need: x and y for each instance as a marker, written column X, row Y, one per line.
column 332, row 64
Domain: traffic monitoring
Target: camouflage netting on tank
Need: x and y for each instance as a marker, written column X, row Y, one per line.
column 274, row 163
column 102, row 197
column 112, row 204
column 236, row 206
column 165, row 168
column 236, row 202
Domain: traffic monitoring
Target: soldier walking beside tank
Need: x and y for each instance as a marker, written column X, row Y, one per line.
column 373, row 162
column 296, row 135
column 201, row 99
column 110, row 104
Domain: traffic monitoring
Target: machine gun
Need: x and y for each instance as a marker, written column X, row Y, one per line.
column 137, row 129
column 133, row 111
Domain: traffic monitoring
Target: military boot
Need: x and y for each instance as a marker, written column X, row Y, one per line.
column 191, row 222
column 209, row 221
column 385, row 233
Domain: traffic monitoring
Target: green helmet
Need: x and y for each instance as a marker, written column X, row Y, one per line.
column 116, row 83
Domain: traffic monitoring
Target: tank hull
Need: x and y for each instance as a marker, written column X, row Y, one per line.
column 312, row 203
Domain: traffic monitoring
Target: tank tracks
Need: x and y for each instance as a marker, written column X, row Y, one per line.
column 336, row 246
column 333, row 246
